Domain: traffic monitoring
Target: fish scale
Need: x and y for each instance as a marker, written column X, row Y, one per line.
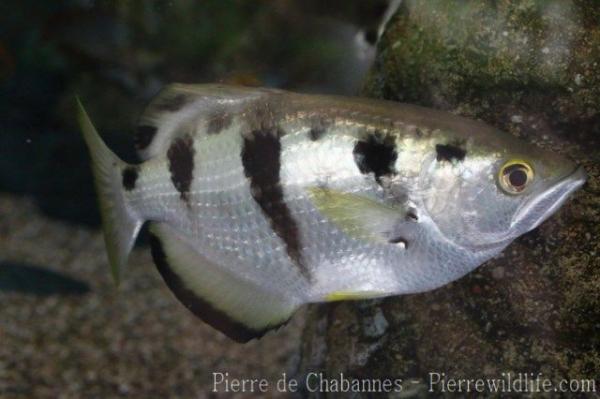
column 261, row 200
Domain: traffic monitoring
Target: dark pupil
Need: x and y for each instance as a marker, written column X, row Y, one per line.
column 517, row 178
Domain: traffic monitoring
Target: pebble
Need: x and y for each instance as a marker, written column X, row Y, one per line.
column 376, row 326
column 498, row 272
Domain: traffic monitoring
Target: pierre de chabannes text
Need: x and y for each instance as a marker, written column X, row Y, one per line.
column 435, row 382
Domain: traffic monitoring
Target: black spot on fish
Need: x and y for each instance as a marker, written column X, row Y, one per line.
column 376, row 155
column 261, row 157
column 318, row 128
column 450, row 152
column 316, row 133
column 218, row 122
column 198, row 305
column 171, row 103
column 143, row 136
column 412, row 215
column 181, row 164
column 130, row 176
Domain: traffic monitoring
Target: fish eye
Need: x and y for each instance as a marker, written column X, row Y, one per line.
column 515, row 176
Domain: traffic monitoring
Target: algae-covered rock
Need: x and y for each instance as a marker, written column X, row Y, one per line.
column 530, row 68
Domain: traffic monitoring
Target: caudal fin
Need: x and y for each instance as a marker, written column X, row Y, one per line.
column 119, row 222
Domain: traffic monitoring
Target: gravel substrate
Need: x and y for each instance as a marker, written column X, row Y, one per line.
column 133, row 341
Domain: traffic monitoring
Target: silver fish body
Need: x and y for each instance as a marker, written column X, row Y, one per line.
column 262, row 200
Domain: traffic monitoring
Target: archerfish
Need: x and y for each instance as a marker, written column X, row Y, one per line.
column 262, row 200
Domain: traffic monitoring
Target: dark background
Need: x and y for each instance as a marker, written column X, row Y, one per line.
column 116, row 54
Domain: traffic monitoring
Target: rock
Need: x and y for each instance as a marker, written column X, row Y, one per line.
column 376, row 325
column 530, row 68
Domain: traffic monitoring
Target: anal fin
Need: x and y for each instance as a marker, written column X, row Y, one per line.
column 236, row 307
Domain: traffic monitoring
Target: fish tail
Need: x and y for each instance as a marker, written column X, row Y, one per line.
column 120, row 223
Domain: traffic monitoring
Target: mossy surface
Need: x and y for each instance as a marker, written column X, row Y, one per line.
column 531, row 68
column 476, row 56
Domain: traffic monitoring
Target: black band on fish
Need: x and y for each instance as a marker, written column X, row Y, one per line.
column 218, row 122
column 181, row 164
column 144, row 135
column 196, row 304
column 261, row 158
column 129, row 177
column 450, row 152
column 376, row 155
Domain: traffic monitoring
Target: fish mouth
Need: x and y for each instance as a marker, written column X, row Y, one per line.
column 533, row 212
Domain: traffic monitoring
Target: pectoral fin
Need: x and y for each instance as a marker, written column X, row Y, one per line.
column 358, row 216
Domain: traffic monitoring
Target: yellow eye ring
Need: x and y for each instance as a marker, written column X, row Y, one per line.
column 515, row 175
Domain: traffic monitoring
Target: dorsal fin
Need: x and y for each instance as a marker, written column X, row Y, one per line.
column 180, row 109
